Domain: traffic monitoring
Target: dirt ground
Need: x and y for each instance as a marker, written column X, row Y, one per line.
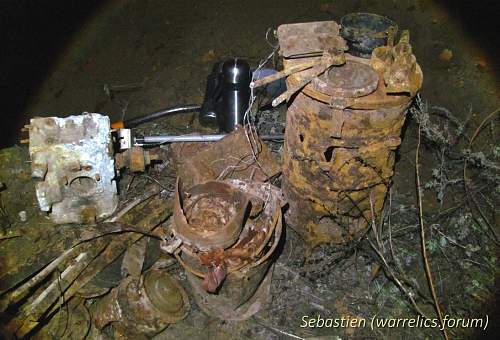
column 169, row 47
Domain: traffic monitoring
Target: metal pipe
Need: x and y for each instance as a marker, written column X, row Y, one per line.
column 133, row 122
column 193, row 138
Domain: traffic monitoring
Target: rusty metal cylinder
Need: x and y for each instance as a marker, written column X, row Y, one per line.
column 142, row 307
column 229, row 273
column 342, row 131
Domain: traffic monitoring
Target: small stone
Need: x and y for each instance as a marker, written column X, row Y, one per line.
column 446, row 55
column 23, row 216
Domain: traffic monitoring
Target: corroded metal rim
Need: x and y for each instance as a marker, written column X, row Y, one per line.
column 375, row 100
column 224, row 236
column 160, row 286
column 350, row 80
column 270, row 224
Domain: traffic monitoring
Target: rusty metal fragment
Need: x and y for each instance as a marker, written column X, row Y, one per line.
column 309, row 38
column 342, row 131
column 399, row 66
column 225, row 279
column 136, row 159
column 142, row 307
column 210, row 216
column 231, row 157
column 97, row 255
column 72, row 161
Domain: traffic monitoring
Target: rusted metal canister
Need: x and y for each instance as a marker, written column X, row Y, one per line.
column 342, row 130
column 142, row 307
column 230, row 273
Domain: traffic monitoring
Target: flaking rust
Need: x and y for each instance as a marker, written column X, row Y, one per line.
column 229, row 231
column 342, row 131
column 231, row 157
column 72, row 162
column 142, row 307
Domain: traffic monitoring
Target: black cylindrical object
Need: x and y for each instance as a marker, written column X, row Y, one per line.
column 235, row 93
column 208, row 113
column 366, row 31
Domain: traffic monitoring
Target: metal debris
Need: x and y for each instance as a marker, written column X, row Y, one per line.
column 143, row 307
column 342, row 131
column 231, row 157
column 73, row 164
column 306, row 39
column 398, row 66
column 229, row 276
column 94, row 251
column 210, row 216
column 136, row 159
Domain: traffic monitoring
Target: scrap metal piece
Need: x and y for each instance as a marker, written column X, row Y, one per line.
column 136, row 159
column 124, row 138
column 398, row 66
column 231, row 157
column 342, row 131
column 328, row 59
column 133, row 259
column 143, row 307
column 210, row 215
column 72, row 162
column 162, row 139
column 350, row 80
column 309, row 38
column 231, row 282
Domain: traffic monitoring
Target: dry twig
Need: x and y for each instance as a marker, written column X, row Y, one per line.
column 427, row 268
column 466, row 187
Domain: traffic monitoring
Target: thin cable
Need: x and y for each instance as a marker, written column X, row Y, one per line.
column 250, row 129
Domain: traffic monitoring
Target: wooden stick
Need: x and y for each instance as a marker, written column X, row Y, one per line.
column 427, row 268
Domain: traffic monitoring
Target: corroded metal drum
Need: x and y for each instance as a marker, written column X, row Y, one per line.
column 142, row 307
column 342, row 131
column 230, row 276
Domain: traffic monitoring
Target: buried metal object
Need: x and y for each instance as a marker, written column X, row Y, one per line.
column 234, row 156
column 210, row 216
column 143, row 307
column 366, row 31
column 342, row 131
column 72, row 162
column 230, row 281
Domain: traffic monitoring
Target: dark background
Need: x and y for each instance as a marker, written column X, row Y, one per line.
column 34, row 33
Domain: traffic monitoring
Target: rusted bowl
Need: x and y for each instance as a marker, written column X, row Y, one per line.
column 209, row 215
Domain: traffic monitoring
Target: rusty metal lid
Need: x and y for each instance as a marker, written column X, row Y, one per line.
column 167, row 296
column 351, row 80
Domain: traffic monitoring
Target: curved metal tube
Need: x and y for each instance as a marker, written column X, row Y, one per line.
column 133, row 122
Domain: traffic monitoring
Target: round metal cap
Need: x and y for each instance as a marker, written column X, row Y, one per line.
column 166, row 294
column 351, row 80
column 236, row 71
